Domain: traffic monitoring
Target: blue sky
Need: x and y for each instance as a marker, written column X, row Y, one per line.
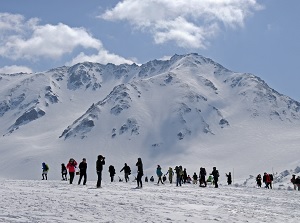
column 253, row 36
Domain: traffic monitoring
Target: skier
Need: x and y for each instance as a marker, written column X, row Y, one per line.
column 159, row 174
column 258, row 180
column 99, row 167
column 140, row 173
column 71, row 166
column 171, row 173
column 112, row 172
column 82, row 168
column 202, row 175
column 45, row 169
column 195, row 178
column 229, row 179
column 64, row 172
column 127, row 171
column 216, row 175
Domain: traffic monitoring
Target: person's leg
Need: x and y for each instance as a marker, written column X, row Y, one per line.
column 141, row 183
column 138, row 180
column 84, row 178
column 216, row 183
column 80, row 177
column 71, row 177
column 99, row 179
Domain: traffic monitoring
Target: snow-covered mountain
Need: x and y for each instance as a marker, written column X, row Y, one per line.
column 188, row 111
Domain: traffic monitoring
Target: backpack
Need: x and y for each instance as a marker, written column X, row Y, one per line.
column 271, row 177
column 129, row 170
column 46, row 167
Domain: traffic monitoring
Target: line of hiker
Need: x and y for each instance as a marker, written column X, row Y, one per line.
column 179, row 172
column 82, row 171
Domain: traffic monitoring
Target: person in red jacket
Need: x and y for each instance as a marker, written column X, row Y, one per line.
column 71, row 166
column 267, row 180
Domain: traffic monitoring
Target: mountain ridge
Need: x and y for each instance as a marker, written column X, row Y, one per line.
column 153, row 109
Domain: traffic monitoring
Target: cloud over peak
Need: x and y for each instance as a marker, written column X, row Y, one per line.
column 28, row 39
column 189, row 23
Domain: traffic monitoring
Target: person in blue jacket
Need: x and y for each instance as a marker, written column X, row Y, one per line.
column 159, row 174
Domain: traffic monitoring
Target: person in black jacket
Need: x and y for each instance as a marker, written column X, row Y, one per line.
column 297, row 182
column 112, row 172
column 82, row 167
column 202, row 179
column 127, row 171
column 216, row 175
column 64, row 172
column 140, row 173
column 229, row 178
column 258, row 180
column 99, row 167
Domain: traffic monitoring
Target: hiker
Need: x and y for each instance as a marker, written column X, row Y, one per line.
column 127, row 171
column 112, row 172
column 293, row 181
column 171, row 173
column 178, row 176
column 297, row 182
column 188, row 179
column 195, row 178
column 82, row 173
column 140, row 173
column 216, row 175
column 184, row 176
column 229, row 179
column 99, row 167
column 258, row 180
column 71, row 166
column 159, row 174
column 45, row 169
column 267, row 180
column 64, row 172
column 181, row 173
column 202, row 175
column 271, row 180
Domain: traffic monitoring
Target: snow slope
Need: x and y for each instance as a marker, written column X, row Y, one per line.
column 58, row 201
column 188, row 111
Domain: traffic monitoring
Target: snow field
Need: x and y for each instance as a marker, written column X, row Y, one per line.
column 58, row 201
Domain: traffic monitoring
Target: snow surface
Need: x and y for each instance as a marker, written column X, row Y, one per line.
column 30, row 201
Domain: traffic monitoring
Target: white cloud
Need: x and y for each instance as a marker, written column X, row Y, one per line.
column 29, row 40
column 190, row 23
column 21, row 39
column 15, row 69
column 103, row 57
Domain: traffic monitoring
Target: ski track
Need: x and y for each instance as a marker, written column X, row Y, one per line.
column 58, row 201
